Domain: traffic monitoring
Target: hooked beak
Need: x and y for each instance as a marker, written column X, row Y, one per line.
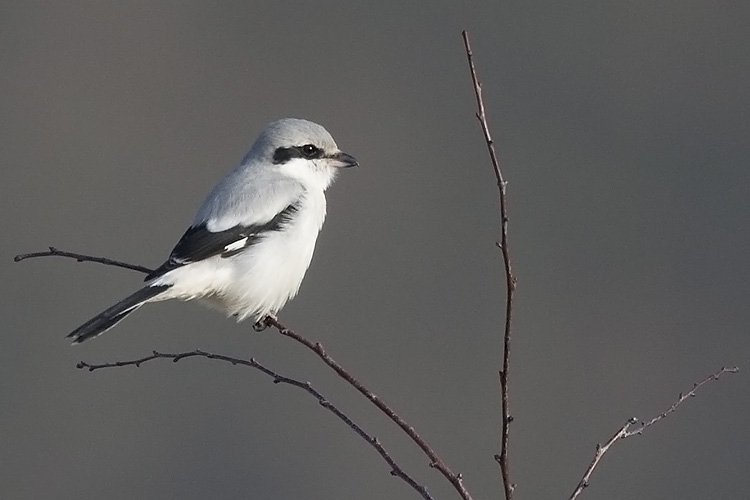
column 343, row 160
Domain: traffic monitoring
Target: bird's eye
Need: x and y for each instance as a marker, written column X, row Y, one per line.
column 309, row 151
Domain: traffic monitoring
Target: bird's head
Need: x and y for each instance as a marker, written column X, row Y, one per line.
column 302, row 150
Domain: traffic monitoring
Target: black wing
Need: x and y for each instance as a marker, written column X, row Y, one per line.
column 199, row 243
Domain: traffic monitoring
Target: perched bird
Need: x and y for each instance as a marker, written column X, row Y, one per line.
column 253, row 237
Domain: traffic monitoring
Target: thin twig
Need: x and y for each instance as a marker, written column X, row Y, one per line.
column 54, row 252
column 396, row 470
column 628, row 430
column 510, row 280
column 682, row 397
column 435, row 461
column 601, row 449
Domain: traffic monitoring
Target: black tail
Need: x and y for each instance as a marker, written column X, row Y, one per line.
column 109, row 318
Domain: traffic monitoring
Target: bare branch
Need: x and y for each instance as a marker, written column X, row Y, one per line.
column 682, row 397
column 54, row 252
column 627, row 430
column 510, row 280
column 435, row 461
column 600, row 451
column 396, row 470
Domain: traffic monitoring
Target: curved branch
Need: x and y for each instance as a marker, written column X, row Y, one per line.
column 435, row 461
column 627, row 430
column 510, row 280
column 396, row 470
column 54, row 252
column 456, row 479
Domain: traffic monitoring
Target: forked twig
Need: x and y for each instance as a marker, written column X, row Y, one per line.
column 396, row 470
column 629, row 430
column 510, row 280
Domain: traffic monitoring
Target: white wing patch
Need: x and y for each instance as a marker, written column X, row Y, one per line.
column 236, row 245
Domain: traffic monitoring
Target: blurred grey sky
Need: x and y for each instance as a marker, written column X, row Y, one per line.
column 623, row 129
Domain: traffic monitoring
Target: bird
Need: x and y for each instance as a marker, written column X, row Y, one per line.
column 252, row 240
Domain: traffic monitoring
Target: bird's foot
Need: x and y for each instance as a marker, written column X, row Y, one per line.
column 261, row 325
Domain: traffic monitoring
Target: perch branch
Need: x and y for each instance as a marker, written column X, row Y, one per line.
column 631, row 429
column 396, row 470
column 435, row 461
column 510, row 280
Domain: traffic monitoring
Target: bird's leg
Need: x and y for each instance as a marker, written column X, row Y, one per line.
column 262, row 324
column 259, row 326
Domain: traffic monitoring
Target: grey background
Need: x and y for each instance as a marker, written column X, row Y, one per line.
column 623, row 129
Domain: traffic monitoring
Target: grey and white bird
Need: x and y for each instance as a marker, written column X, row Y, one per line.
column 253, row 237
